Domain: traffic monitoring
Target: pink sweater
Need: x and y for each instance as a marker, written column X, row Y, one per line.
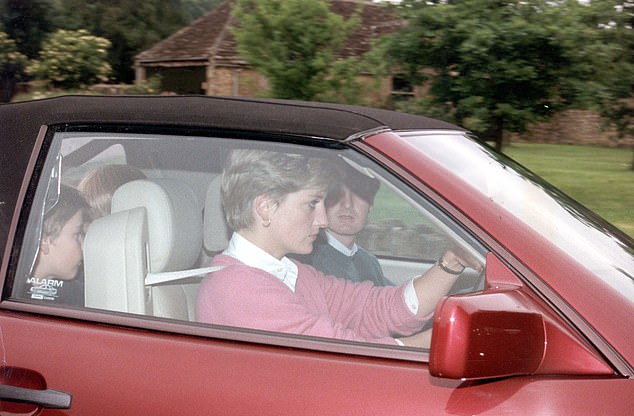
column 322, row 306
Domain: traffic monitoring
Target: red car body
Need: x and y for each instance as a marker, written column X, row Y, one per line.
column 545, row 335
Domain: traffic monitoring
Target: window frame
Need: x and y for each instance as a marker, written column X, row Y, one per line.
column 83, row 315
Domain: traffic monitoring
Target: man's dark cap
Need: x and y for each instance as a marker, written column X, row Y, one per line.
column 359, row 183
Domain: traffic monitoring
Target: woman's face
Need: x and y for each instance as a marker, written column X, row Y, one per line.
column 295, row 223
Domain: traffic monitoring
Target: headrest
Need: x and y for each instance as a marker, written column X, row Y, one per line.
column 216, row 229
column 173, row 217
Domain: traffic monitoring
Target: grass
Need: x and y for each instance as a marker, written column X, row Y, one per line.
column 599, row 178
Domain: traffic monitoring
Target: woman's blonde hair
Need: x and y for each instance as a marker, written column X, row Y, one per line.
column 98, row 186
column 250, row 173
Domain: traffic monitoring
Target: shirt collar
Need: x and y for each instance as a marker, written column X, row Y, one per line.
column 250, row 254
column 340, row 247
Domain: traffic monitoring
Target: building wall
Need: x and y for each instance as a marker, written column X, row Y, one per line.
column 575, row 127
column 244, row 82
column 235, row 81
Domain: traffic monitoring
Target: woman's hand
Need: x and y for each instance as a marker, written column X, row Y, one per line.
column 436, row 282
column 459, row 257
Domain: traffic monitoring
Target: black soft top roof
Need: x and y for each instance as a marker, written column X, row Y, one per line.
column 290, row 117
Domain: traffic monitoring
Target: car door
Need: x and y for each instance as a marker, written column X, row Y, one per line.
column 116, row 359
column 132, row 345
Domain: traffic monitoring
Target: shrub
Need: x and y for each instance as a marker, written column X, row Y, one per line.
column 72, row 59
column 12, row 64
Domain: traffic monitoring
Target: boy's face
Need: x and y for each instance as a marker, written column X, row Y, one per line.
column 60, row 257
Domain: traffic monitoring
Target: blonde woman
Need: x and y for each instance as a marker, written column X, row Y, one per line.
column 274, row 203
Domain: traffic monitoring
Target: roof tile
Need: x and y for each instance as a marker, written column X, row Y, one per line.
column 210, row 38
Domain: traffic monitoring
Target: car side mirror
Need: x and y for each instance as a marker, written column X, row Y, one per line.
column 486, row 335
column 506, row 330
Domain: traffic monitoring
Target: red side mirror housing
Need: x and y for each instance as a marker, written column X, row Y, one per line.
column 486, row 335
column 506, row 330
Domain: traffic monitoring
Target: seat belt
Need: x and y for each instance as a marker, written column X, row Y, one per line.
column 152, row 279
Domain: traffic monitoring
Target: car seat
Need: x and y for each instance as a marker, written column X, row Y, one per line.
column 216, row 231
column 155, row 227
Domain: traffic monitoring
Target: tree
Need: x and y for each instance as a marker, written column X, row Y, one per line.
column 12, row 64
column 615, row 30
column 130, row 25
column 27, row 22
column 72, row 59
column 498, row 65
column 193, row 9
column 294, row 43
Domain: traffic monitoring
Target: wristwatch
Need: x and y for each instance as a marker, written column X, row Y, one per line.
column 447, row 269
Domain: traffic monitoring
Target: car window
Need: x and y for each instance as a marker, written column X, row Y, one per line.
column 111, row 155
column 136, row 223
column 397, row 229
column 563, row 221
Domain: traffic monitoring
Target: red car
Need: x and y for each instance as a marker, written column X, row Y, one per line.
column 540, row 324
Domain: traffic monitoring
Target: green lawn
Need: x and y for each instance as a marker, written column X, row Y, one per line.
column 599, row 178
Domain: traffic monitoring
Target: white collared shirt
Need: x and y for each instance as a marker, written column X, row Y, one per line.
column 340, row 247
column 250, row 254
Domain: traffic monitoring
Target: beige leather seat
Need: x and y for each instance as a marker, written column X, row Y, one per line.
column 155, row 227
column 216, row 231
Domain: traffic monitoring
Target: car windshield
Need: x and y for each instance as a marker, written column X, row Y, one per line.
column 552, row 214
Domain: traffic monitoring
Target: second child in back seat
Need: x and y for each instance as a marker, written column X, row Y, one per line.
column 274, row 203
column 99, row 185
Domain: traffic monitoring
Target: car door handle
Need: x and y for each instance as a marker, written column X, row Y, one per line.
column 50, row 399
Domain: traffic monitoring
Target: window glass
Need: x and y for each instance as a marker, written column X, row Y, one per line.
column 396, row 229
column 555, row 216
column 112, row 155
column 301, row 240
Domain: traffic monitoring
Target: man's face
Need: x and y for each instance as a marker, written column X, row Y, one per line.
column 348, row 216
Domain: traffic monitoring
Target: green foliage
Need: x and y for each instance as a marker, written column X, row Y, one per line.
column 27, row 22
column 500, row 65
column 130, row 25
column 193, row 9
column 12, row 62
column 488, row 59
column 294, row 44
column 150, row 86
column 71, row 59
column 613, row 65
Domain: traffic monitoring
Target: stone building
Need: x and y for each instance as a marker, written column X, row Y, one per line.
column 202, row 58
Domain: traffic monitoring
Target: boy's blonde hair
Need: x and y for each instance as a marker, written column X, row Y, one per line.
column 99, row 185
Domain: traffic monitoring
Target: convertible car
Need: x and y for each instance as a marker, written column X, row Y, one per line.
column 540, row 324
